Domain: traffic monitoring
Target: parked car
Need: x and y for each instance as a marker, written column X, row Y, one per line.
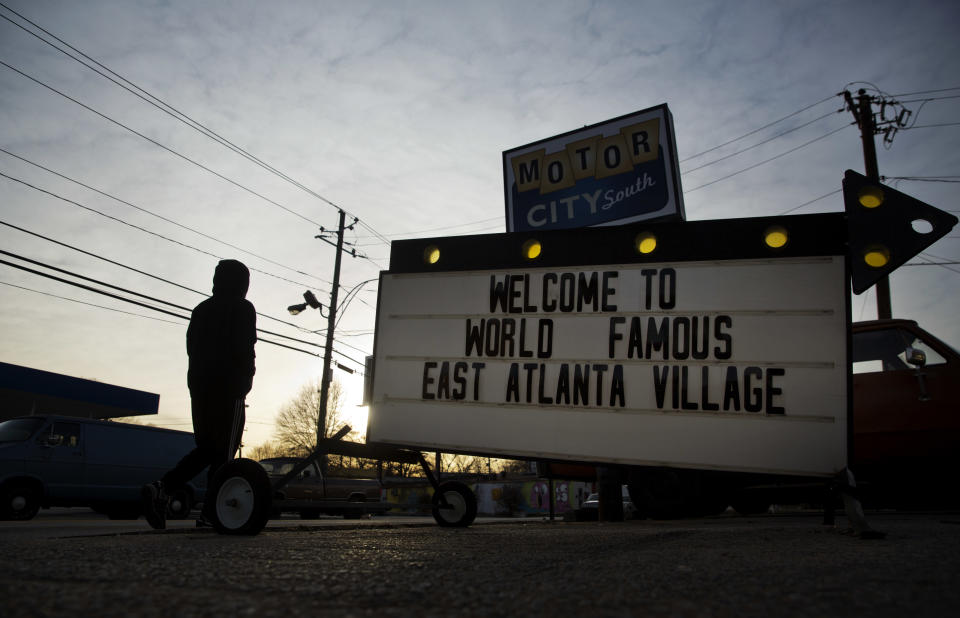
column 310, row 493
column 66, row 461
column 592, row 505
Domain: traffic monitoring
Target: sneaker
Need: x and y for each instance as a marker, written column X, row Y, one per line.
column 154, row 505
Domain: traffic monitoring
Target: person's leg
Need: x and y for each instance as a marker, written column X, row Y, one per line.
column 228, row 416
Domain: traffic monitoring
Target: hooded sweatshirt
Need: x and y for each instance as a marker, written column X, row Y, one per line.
column 221, row 336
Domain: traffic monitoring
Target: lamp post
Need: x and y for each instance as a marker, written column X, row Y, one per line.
column 311, row 301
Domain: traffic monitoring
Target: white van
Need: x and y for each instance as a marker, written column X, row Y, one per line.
column 66, row 461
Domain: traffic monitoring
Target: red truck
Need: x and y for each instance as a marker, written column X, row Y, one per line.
column 311, row 493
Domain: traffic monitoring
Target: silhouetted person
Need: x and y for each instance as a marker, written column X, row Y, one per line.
column 220, row 340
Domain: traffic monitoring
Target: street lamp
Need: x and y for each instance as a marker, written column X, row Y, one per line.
column 311, row 302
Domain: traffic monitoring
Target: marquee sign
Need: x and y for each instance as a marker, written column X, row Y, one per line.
column 617, row 171
column 712, row 344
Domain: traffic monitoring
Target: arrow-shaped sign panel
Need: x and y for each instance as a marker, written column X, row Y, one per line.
column 886, row 228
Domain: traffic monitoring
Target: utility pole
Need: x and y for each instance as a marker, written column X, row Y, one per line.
column 331, row 322
column 862, row 111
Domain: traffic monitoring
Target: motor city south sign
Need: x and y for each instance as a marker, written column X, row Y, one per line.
column 719, row 344
column 614, row 172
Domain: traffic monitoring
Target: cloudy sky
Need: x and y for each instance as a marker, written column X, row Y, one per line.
column 398, row 113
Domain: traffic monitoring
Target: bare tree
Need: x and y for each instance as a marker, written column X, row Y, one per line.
column 296, row 423
column 267, row 450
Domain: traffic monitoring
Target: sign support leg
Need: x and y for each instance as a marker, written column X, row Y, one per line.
column 845, row 485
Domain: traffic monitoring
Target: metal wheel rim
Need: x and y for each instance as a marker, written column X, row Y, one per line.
column 455, row 500
column 18, row 503
column 234, row 502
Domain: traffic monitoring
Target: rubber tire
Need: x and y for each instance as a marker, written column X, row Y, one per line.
column 309, row 514
column 185, row 501
column 463, row 500
column 242, row 498
column 27, row 499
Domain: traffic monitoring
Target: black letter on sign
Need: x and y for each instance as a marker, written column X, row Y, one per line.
column 476, row 379
column 460, row 391
column 498, row 292
column 513, row 383
column 668, row 283
column 545, row 338
column 660, row 384
column 608, row 290
column 616, row 386
column 443, row 384
column 427, row 380
column 727, row 350
column 475, row 337
column 752, row 397
column 731, row 390
column 773, row 390
column 614, row 335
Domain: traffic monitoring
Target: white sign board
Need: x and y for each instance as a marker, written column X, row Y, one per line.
column 733, row 365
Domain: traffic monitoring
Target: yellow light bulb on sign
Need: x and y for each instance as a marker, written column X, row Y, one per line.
column 645, row 243
column 876, row 256
column 775, row 237
column 431, row 255
column 870, row 196
column 532, row 249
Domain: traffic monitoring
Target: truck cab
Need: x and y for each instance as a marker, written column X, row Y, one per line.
column 311, row 492
column 906, row 406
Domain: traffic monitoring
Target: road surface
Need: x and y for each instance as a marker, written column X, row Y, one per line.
column 774, row 565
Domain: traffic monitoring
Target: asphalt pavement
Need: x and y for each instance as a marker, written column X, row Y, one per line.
column 774, row 565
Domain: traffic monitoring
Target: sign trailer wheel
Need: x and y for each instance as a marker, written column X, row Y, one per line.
column 242, row 496
column 461, row 505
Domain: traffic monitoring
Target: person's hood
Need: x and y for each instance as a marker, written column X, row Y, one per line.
column 231, row 278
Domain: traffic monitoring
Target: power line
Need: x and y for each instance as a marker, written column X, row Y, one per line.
column 925, row 99
column 159, row 145
column 755, row 165
column 816, row 199
column 158, row 216
column 128, row 291
column 930, row 126
column 137, row 227
column 769, row 139
column 164, row 106
column 907, row 94
column 151, row 307
column 74, row 300
column 766, row 126
column 138, row 271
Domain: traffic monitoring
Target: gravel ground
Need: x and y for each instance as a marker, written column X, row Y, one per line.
column 727, row 566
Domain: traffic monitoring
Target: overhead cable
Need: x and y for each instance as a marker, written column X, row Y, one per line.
column 138, row 271
column 755, row 165
column 74, row 300
column 134, row 302
column 163, row 105
column 162, row 146
column 158, row 216
column 137, row 227
column 769, row 139
column 125, row 290
column 766, row 126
